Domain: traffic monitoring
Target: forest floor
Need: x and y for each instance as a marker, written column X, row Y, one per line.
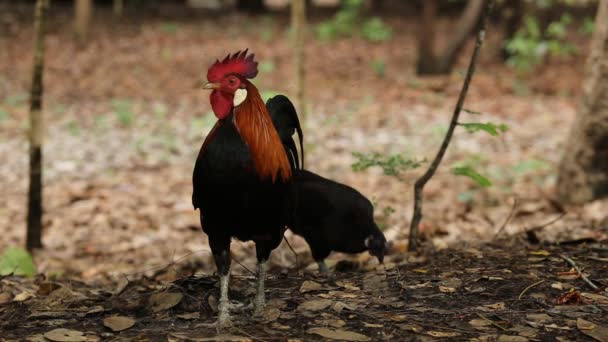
column 124, row 124
column 499, row 292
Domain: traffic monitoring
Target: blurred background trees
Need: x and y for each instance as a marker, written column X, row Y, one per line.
column 583, row 172
column 388, row 44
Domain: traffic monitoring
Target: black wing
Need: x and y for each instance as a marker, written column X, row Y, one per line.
column 286, row 122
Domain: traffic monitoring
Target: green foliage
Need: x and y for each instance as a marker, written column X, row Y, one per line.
column 375, row 30
column 347, row 19
column 530, row 45
column 530, row 165
column 266, row 94
column 488, row 127
column 587, row 27
column 468, row 171
column 267, row 28
column 17, row 261
column 169, row 27
column 382, row 221
column 3, row 115
column 392, row 165
column 17, row 99
column 267, row 66
column 73, row 128
column 123, row 109
column 379, row 67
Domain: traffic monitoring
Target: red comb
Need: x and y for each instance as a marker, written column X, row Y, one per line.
column 239, row 63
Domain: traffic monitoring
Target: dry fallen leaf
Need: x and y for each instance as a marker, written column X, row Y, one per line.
column 420, row 270
column 5, row 297
column 341, row 335
column 23, row 296
column 339, row 306
column 593, row 330
column 279, row 326
column 373, row 281
column 65, row 335
column 315, row 304
column 598, row 299
column 277, row 303
column 399, row 318
column 524, row 331
column 309, row 285
column 479, row 323
column 492, row 307
column 372, row 325
column 443, row 333
column 118, row 323
column 540, row 252
column 347, row 285
column 191, row 315
column 198, row 338
column 539, row 318
column 511, row 338
column 446, row 289
column 270, row 314
column 164, row 300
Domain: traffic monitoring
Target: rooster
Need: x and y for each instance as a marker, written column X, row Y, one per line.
column 242, row 179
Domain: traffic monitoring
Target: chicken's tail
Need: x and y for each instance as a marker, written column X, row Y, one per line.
column 286, row 122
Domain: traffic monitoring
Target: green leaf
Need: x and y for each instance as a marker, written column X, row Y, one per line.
column 266, row 94
column 17, row 261
column 469, row 111
column 392, row 165
column 474, row 175
column 488, row 127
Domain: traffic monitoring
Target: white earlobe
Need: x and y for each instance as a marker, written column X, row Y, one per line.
column 239, row 96
column 367, row 241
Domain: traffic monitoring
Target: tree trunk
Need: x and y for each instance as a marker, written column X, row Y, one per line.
column 82, row 18
column 298, row 22
column 583, row 172
column 118, row 7
column 513, row 19
column 426, row 37
column 428, row 61
column 34, row 199
column 251, row 6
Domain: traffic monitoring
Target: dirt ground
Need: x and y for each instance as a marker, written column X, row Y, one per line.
column 124, row 124
column 498, row 292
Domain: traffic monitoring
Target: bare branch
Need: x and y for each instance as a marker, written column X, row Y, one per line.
column 421, row 182
column 578, row 270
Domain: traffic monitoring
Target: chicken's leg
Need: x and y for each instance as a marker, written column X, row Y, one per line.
column 222, row 261
column 260, row 298
column 323, row 269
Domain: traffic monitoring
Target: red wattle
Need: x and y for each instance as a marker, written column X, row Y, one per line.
column 221, row 103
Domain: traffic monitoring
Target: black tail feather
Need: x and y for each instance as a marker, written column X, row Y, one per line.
column 286, row 121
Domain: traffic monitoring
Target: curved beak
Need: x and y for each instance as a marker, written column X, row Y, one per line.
column 211, row 86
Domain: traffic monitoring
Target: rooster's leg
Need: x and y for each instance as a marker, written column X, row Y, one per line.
column 260, row 298
column 221, row 254
column 323, row 269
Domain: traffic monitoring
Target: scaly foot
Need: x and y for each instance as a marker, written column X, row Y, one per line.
column 223, row 317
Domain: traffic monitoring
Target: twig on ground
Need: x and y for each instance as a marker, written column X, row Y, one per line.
column 294, row 252
column 492, row 322
column 529, row 287
column 421, row 182
column 243, row 266
column 531, row 233
column 509, row 217
column 580, row 273
column 165, row 265
column 597, row 259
